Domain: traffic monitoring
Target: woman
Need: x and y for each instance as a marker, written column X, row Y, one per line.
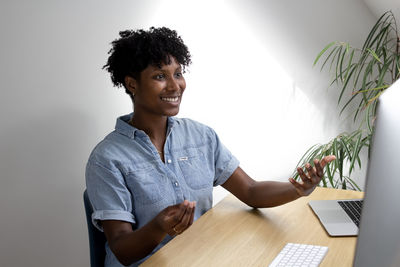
column 153, row 176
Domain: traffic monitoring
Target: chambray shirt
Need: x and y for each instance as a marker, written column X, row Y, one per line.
column 126, row 179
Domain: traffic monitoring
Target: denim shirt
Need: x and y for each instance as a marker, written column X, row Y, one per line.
column 126, row 179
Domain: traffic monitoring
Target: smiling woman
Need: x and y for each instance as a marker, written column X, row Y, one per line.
column 158, row 91
column 154, row 175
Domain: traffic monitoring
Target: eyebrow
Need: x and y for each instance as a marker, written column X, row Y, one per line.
column 159, row 68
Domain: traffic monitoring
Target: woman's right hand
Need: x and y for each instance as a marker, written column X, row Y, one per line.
column 130, row 245
column 175, row 219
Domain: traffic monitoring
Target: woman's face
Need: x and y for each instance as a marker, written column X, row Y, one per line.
column 159, row 90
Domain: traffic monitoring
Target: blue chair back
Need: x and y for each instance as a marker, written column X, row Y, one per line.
column 97, row 239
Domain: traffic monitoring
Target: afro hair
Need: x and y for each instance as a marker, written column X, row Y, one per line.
column 135, row 50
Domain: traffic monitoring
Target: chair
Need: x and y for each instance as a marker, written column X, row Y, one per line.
column 97, row 239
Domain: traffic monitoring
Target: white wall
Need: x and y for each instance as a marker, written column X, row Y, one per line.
column 251, row 80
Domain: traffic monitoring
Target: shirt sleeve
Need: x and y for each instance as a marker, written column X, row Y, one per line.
column 108, row 194
column 225, row 162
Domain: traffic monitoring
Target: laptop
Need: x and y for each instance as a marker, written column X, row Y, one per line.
column 339, row 217
column 378, row 242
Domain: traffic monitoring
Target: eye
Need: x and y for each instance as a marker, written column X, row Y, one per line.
column 159, row 76
column 179, row 74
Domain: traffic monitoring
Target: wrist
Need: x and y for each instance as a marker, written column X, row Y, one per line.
column 296, row 192
column 156, row 231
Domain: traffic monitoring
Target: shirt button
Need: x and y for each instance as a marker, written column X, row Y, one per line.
column 176, row 184
column 169, row 161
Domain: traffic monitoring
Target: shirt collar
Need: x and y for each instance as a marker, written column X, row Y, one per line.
column 123, row 127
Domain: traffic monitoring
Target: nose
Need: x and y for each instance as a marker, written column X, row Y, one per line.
column 174, row 85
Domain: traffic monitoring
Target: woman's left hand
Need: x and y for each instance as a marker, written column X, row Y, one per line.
column 312, row 177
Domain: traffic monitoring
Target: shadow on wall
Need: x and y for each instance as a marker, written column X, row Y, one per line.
column 297, row 34
column 41, row 192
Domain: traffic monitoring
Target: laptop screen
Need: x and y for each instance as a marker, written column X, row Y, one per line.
column 378, row 242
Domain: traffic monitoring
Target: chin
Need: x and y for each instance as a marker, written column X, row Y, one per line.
column 171, row 113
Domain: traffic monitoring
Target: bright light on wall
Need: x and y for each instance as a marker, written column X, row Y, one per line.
column 236, row 86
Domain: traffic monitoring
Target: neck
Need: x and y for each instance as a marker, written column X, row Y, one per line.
column 154, row 126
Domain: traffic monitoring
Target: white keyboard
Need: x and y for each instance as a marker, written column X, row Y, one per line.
column 299, row 255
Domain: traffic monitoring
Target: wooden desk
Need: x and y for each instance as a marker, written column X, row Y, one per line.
column 233, row 234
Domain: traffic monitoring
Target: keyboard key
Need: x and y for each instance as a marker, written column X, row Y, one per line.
column 353, row 209
column 299, row 255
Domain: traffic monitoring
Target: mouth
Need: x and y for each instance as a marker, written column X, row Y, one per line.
column 170, row 99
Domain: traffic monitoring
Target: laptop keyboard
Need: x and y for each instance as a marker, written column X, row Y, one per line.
column 353, row 209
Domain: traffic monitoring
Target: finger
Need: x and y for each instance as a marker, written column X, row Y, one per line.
column 191, row 217
column 180, row 226
column 312, row 173
column 174, row 208
column 186, row 219
column 317, row 164
column 327, row 159
column 182, row 207
column 303, row 175
column 193, row 211
column 316, row 177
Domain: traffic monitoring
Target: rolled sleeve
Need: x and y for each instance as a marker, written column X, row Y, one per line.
column 101, row 215
column 232, row 165
column 108, row 194
column 225, row 162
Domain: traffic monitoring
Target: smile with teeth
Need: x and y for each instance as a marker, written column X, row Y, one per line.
column 170, row 99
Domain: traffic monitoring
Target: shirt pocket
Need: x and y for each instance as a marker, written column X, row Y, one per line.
column 146, row 185
column 195, row 169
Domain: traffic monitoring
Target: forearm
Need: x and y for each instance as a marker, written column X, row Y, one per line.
column 133, row 246
column 270, row 194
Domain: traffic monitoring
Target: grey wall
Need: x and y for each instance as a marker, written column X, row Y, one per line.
column 379, row 7
column 56, row 103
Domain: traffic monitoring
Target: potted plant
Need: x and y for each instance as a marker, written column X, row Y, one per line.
column 365, row 72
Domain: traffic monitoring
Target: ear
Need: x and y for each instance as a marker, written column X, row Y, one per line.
column 131, row 84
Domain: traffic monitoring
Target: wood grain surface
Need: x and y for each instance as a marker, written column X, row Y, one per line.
column 233, row 234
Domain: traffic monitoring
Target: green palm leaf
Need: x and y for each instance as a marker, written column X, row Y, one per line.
column 362, row 75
